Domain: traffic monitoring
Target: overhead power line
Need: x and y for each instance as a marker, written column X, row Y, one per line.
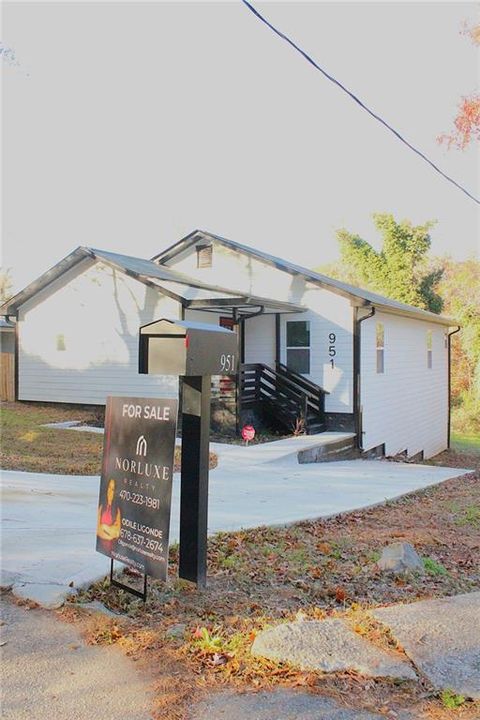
column 352, row 95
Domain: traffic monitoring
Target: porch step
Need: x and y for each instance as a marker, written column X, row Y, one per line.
column 284, row 397
column 288, row 449
column 335, row 449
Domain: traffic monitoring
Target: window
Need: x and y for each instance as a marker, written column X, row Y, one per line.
column 298, row 346
column 61, row 342
column 380, row 339
column 204, row 256
column 429, row 349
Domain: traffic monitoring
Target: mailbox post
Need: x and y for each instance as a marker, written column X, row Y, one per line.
column 195, row 352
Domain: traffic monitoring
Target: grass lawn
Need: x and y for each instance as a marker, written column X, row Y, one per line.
column 268, row 575
column 26, row 445
column 467, row 443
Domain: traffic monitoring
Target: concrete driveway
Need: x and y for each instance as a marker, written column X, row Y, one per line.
column 48, row 521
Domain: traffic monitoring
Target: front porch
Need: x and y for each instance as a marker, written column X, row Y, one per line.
column 279, row 383
column 265, row 391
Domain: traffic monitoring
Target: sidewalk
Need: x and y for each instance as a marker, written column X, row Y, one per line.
column 49, row 673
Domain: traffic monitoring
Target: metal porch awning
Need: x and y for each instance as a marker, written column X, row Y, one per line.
column 218, row 300
column 243, row 305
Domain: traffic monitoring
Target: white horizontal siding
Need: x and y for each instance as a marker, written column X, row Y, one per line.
column 329, row 313
column 406, row 407
column 260, row 340
column 98, row 311
column 237, row 271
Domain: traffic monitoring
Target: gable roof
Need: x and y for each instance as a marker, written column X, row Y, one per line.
column 151, row 274
column 357, row 295
column 10, row 306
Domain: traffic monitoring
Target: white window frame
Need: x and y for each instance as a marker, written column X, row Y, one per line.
column 299, row 347
column 380, row 347
column 429, row 349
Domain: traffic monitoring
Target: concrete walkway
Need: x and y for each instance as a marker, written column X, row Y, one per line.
column 48, row 521
column 279, row 451
column 442, row 638
column 258, row 452
column 49, row 673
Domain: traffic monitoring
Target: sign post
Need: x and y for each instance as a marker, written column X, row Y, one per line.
column 194, row 351
column 133, row 521
column 194, row 478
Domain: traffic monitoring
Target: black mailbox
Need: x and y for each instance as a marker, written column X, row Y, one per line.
column 184, row 347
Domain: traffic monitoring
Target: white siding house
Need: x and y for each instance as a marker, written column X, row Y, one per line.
column 77, row 338
column 405, row 406
column 359, row 361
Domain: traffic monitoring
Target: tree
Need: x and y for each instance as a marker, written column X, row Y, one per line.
column 452, row 285
column 460, row 290
column 467, row 121
column 400, row 270
column 467, row 124
column 5, row 285
column 473, row 33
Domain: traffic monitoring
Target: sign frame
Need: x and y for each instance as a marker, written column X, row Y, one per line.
column 135, row 494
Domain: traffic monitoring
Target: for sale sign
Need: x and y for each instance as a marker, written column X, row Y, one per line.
column 133, row 518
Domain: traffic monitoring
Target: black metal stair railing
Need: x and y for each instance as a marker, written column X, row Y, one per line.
column 287, row 397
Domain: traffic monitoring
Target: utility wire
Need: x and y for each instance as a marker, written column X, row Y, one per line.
column 309, row 59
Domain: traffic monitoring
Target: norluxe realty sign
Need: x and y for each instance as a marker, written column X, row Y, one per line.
column 136, row 484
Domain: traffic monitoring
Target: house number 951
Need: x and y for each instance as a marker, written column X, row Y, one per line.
column 331, row 348
column 227, row 363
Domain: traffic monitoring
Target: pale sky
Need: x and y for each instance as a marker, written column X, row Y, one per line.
column 127, row 125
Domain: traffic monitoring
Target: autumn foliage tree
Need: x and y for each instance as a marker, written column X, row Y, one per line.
column 467, row 121
column 467, row 124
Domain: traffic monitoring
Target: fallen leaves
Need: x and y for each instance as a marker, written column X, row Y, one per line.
column 312, row 570
column 324, row 548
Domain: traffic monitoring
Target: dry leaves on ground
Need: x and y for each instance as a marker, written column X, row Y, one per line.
column 319, row 569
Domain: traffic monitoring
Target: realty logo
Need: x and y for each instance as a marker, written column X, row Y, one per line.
column 141, row 446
